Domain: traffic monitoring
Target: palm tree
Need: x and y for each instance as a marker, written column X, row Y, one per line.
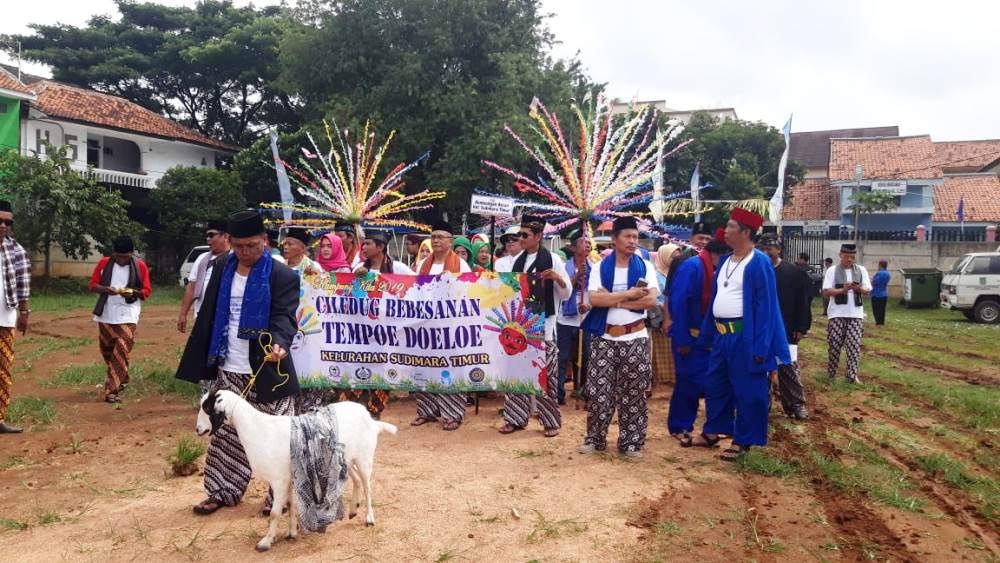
column 871, row 202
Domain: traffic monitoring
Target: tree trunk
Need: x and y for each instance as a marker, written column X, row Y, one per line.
column 48, row 256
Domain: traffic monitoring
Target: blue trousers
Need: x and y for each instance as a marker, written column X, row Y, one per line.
column 689, row 388
column 567, row 337
column 737, row 397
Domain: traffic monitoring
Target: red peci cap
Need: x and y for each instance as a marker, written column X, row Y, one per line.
column 748, row 218
column 720, row 235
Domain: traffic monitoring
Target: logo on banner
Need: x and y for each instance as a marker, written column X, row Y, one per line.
column 477, row 375
column 363, row 373
column 334, row 372
column 392, row 375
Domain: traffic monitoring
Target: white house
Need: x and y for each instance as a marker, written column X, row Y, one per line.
column 118, row 142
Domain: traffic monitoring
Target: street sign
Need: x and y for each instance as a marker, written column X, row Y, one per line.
column 893, row 187
column 492, row 206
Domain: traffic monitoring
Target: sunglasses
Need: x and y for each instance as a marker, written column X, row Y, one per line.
column 525, row 234
column 212, row 234
column 8, row 222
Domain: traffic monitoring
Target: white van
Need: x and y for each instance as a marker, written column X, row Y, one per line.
column 973, row 287
column 189, row 263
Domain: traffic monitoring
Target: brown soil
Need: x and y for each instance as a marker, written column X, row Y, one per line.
column 471, row 495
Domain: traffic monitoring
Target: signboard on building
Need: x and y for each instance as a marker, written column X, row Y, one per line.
column 892, row 187
column 492, row 206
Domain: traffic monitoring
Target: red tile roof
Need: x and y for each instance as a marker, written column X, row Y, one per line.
column 910, row 158
column 812, row 148
column 77, row 104
column 981, row 193
column 9, row 81
column 967, row 156
column 811, row 200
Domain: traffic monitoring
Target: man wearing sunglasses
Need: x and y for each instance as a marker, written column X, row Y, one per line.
column 201, row 271
column 15, row 283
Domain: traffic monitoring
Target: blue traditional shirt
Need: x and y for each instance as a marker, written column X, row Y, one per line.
column 880, row 284
column 761, row 313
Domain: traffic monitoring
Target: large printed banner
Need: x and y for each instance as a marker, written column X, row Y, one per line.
column 443, row 334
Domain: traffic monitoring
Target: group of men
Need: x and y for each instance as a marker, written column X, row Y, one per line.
column 735, row 310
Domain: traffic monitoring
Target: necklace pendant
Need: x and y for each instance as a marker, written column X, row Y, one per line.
column 725, row 284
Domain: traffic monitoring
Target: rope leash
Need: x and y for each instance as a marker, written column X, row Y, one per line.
column 267, row 346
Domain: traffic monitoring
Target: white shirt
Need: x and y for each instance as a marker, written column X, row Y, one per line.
column 8, row 316
column 193, row 278
column 238, row 355
column 116, row 310
column 729, row 295
column 439, row 268
column 504, row 264
column 559, row 294
column 849, row 310
column 617, row 315
column 397, row 268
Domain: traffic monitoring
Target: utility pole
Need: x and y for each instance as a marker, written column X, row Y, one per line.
column 859, row 172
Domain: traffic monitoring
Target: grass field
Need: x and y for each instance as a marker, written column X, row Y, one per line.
column 73, row 295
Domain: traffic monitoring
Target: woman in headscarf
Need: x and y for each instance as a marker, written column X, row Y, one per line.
column 663, row 359
column 331, row 255
column 463, row 247
column 483, row 257
column 423, row 252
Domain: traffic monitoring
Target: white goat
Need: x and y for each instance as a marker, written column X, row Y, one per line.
column 267, row 441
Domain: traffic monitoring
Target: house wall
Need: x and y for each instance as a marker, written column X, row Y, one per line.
column 120, row 154
column 156, row 155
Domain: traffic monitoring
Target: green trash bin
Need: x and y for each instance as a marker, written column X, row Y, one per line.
column 921, row 287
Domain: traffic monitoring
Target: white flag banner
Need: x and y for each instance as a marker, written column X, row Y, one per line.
column 284, row 187
column 778, row 199
column 695, row 189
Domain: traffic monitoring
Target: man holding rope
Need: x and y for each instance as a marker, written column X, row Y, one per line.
column 240, row 343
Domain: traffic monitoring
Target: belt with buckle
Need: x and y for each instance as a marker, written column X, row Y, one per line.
column 621, row 330
column 729, row 326
column 695, row 332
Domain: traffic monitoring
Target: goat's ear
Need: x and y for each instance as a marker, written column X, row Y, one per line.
column 208, row 405
column 217, row 419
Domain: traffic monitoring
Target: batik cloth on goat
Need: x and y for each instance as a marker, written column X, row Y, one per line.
column 319, row 472
column 116, row 341
column 227, row 470
column 517, row 406
column 314, row 398
column 6, row 368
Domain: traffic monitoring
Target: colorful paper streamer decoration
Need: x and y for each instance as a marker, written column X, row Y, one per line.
column 608, row 175
column 341, row 182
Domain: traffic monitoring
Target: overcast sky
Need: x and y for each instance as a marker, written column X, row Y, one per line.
column 929, row 67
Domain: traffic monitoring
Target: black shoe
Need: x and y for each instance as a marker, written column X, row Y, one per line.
column 6, row 428
column 800, row 414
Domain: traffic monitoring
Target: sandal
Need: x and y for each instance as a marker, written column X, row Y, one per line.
column 420, row 421
column 734, row 453
column 112, row 398
column 684, row 439
column 207, row 506
column 450, row 425
column 551, row 432
column 707, row 442
column 509, row 428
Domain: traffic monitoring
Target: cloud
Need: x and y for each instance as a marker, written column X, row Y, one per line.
column 926, row 66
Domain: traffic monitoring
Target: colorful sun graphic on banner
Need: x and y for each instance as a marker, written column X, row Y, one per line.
column 518, row 328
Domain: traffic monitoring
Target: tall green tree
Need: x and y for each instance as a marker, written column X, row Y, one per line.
column 212, row 66
column 739, row 158
column 446, row 74
column 184, row 200
column 56, row 205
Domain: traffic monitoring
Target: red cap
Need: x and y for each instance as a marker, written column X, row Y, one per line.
column 748, row 218
column 720, row 235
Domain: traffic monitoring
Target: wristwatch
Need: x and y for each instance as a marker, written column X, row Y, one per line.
column 24, row 311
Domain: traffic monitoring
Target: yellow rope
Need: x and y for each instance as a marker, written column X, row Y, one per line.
column 268, row 348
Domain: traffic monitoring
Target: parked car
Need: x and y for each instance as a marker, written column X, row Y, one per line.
column 973, row 287
column 189, row 263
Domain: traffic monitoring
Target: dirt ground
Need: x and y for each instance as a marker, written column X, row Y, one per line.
column 94, row 484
